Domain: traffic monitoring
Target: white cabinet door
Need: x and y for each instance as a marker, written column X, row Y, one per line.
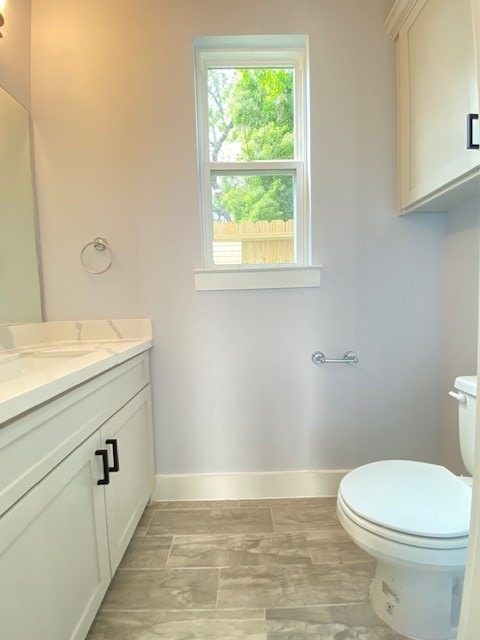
column 437, row 87
column 129, row 432
column 54, row 567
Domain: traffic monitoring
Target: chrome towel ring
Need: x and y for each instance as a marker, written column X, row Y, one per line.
column 100, row 244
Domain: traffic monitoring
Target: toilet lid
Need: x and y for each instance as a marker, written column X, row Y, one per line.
column 413, row 497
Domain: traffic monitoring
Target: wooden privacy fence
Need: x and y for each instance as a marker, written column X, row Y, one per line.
column 257, row 242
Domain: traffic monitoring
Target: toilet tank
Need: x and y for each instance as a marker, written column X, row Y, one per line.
column 467, row 385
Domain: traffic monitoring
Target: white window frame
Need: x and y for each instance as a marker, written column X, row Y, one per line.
column 251, row 52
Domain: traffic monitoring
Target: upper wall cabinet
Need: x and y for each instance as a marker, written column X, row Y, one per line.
column 438, row 103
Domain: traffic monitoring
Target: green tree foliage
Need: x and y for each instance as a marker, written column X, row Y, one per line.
column 261, row 106
column 255, row 197
column 251, row 118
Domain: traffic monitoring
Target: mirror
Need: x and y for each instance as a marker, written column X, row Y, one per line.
column 20, row 297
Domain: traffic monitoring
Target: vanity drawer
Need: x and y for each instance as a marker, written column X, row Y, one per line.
column 33, row 444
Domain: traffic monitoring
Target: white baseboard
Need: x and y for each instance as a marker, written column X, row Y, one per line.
column 248, row 486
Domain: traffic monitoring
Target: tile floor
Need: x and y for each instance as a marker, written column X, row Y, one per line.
column 250, row 570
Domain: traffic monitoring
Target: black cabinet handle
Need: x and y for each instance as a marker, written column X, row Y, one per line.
column 106, row 474
column 116, row 462
column 470, row 118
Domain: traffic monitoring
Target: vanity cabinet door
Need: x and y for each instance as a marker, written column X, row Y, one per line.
column 437, row 90
column 129, row 439
column 54, row 568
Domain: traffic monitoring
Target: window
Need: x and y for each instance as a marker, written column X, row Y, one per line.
column 252, row 152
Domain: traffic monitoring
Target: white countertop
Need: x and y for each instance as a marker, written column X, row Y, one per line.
column 58, row 347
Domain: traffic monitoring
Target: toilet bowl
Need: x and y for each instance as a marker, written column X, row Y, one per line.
column 413, row 518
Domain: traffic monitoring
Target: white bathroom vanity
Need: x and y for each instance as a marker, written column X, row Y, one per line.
column 76, row 468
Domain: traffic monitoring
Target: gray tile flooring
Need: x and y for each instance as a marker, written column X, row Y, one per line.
column 249, row 569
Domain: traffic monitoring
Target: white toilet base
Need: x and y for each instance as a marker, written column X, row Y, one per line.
column 420, row 604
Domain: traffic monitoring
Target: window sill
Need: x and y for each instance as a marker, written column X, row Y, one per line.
column 256, row 278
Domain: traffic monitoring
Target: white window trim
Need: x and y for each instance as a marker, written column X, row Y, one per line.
column 253, row 277
column 254, row 51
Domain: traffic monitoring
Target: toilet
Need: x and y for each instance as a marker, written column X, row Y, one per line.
column 413, row 518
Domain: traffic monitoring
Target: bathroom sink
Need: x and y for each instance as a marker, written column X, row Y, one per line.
column 22, row 364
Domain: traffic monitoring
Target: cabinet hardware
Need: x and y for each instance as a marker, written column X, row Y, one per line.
column 470, row 118
column 116, row 462
column 106, row 474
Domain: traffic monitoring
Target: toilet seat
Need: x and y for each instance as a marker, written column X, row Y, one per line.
column 423, row 542
column 411, row 502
